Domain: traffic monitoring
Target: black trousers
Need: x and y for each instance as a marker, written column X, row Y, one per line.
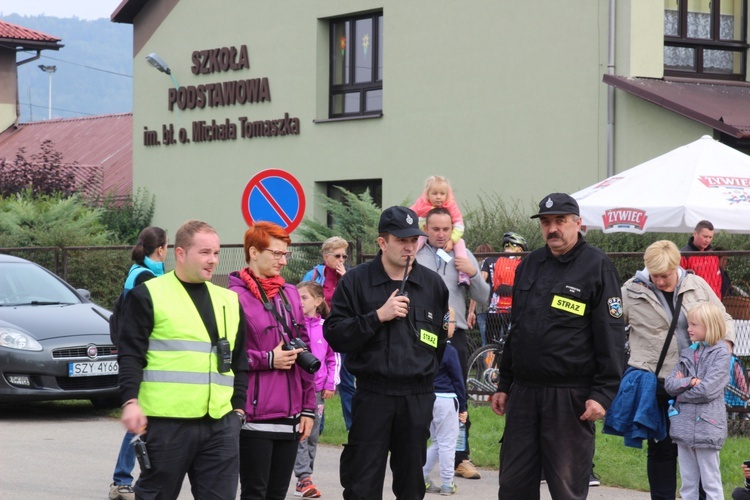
column 741, row 493
column 380, row 423
column 206, row 450
column 543, row 431
column 266, row 466
column 460, row 342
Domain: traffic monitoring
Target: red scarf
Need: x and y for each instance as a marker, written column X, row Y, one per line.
column 271, row 286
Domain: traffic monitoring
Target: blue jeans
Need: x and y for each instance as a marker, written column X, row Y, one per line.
column 346, row 391
column 125, row 462
column 482, row 322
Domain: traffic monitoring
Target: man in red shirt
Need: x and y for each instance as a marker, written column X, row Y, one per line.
column 705, row 266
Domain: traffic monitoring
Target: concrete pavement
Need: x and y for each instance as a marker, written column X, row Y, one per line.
column 71, row 455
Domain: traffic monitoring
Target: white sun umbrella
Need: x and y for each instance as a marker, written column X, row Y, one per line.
column 673, row 192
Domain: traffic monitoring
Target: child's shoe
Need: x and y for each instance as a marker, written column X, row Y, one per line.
column 429, row 486
column 448, row 489
column 463, row 279
column 306, row 489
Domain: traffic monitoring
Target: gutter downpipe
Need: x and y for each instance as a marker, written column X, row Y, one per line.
column 611, row 92
column 33, row 58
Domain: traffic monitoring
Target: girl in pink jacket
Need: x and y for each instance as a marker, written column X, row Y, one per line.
column 326, row 378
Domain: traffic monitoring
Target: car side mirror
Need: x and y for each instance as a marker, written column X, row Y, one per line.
column 84, row 293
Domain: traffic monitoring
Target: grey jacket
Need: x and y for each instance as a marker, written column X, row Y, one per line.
column 478, row 290
column 702, row 421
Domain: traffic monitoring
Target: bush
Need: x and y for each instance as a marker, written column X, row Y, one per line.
column 126, row 218
column 27, row 220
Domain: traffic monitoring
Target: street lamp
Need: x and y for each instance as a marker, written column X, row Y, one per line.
column 157, row 62
column 49, row 70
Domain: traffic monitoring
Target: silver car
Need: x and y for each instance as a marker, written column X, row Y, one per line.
column 54, row 342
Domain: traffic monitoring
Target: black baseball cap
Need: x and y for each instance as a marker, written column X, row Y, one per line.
column 557, row 204
column 401, row 222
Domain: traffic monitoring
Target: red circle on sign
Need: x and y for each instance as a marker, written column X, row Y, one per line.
column 289, row 221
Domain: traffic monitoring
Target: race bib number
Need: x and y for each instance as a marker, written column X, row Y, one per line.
column 428, row 338
column 568, row 305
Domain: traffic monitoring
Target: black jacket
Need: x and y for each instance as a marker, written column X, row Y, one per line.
column 566, row 323
column 388, row 358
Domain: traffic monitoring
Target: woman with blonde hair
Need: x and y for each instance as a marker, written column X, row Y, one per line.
column 652, row 299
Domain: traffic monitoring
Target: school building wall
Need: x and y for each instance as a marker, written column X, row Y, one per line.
column 501, row 97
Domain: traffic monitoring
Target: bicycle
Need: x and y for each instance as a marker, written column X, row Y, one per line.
column 484, row 362
column 484, row 371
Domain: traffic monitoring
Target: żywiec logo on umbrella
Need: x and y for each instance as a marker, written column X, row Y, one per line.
column 734, row 189
column 624, row 218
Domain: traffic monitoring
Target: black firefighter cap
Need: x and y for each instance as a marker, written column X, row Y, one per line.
column 401, row 222
column 557, row 204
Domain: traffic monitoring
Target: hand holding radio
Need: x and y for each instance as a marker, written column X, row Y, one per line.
column 397, row 306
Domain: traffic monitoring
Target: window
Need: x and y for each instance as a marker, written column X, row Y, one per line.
column 357, row 187
column 705, row 38
column 356, row 51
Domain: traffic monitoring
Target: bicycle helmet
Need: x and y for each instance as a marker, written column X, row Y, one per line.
column 516, row 239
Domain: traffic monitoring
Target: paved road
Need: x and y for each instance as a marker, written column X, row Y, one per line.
column 70, row 455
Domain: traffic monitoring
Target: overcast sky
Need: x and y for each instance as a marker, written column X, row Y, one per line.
column 83, row 9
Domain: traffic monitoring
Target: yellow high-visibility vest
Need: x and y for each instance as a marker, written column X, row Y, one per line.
column 181, row 377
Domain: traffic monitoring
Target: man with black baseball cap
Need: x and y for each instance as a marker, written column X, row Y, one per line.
column 562, row 360
column 387, row 315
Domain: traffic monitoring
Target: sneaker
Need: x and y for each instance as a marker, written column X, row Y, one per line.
column 467, row 470
column 594, row 479
column 448, row 489
column 430, row 487
column 121, row 492
column 306, row 489
column 464, row 279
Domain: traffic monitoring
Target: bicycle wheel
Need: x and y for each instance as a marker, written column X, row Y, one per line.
column 481, row 380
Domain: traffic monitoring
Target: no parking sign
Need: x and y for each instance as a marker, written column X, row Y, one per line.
column 274, row 196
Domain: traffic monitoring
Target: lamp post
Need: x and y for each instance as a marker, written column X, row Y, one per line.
column 49, row 70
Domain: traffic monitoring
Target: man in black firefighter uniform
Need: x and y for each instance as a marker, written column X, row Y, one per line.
column 562, row 361
column 387, row 316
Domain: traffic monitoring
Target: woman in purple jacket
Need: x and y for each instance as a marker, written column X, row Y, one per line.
column 280, row 404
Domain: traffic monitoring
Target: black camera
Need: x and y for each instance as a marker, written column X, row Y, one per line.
column 224, row 355
column 305, row 359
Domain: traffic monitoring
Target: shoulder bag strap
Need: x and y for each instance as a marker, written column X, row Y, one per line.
column 670, row 334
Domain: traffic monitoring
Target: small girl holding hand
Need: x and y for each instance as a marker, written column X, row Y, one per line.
column 326, row 378
column 438, row 193
column 697, row 382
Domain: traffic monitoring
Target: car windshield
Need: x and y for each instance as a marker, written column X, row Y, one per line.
column 23, row 283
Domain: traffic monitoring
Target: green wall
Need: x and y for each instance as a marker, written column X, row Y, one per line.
column 501, row 97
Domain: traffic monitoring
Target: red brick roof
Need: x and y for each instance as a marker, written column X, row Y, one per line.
column 26, row 37
column 102, row 145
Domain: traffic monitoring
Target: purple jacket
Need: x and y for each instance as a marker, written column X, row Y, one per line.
column 328, row 375
column 273, row 393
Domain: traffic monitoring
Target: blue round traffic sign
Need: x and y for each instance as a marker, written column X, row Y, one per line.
column 276, row 196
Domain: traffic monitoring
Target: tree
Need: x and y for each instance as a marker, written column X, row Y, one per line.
column 44, row 173
column 354, row 217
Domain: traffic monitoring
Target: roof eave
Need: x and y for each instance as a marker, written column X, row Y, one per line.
column 31, row 44
column 127, row 10
column 638, row 91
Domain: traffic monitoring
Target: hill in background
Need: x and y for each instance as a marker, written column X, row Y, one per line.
column 94, row 69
